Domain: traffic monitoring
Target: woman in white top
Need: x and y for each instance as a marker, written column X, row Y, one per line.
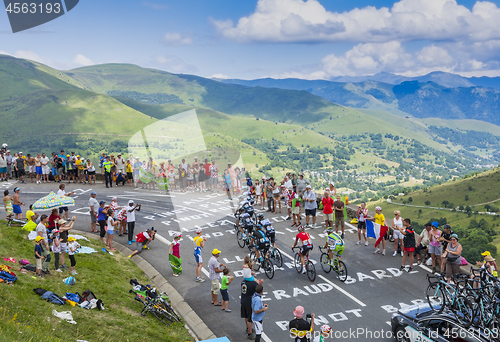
column 397, row 222
column 258, row 193
column 90, row 171
column 110, row 229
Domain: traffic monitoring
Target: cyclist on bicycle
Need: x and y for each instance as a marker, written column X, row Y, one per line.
column 237, row 215
column 246, row 224
column 268, row 228
column 335, row 244
column 262, row 243
column 307, row 245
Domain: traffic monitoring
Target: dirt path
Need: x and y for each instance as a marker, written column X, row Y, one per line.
column 475, row 205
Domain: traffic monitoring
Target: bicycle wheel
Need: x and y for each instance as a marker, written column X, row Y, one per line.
column 268, row 267
column 170, row 311
column 241, row 240
column 277, row 257
column 311, row 271
column 435, row 297
column 342, row 271
column 163, row 316
column 298, row 263
column 463, row 311
column 324, row 261
column 256, row 264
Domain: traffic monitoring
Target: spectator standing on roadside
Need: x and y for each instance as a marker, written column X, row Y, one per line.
column 44, row 161
column 269, row 194
column 294, row 183
column 60, row 168
column 338, row 205
column 310, row 206
column 258, row 312
column 453, row 255
column 174, row 255
column 30, row 163
column 408, row 242
column 120, row 164
column 94, row 207
column 397, row 222
column 247, row 291
column 301, row 184
column 61, row 192
column 423, row 243
column 20, row 168
column 41, row 230
column 3, row 167
column 214, row 174
column 277, row 196
column 106, row 166
column 362, row 215
column 102, row 159
column 137, row 165
column 226, row 280
column 16, row 204
column 380, row 219
column 214, row 268
column 435, row 245
column 299, row 327
column 288, row 183
column 227, row 184
column 199, row 243
column 101, row 219
column 333, row 190
column 7, row 203
column 131, row 209
column 327, row 202
column 196, row 173
column 64, row 228
column 10, row 161
column 232, row 174
column 445, row 239
column 38, row 168
column 258, row 193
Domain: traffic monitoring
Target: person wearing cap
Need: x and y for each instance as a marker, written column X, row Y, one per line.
column 453, row 255
column 199, row 243
column 214, row 268
column 3, row 167
column 39, row 255
column 174, row 255
column 423, row 243
column 71, row 167
column 326, row 331
column 41, row 231
column 106, row 166
column 143, row 240
column 94, row 207
column 258, row 312
column 101, row 219
column 327, row 202
column 20, row 167
column 333, row 190
column 72, row 247
column 130, row 172
column 102, row 159
column 310, row 205
column 131, row 209
column 16, row 204
column 380, row 219
column 491, row 266
column 64, row 228
column 301, row 329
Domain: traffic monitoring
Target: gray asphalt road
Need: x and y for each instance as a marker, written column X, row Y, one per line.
column 357, row 310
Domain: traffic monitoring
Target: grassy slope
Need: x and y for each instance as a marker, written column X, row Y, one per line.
column 484, row 189
column 25, row 316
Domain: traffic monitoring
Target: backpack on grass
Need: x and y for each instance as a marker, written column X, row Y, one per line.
column 53, row 298
column 7, row 277
column 87, row 295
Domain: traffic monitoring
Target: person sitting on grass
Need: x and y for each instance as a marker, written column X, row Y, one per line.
column 143, row 239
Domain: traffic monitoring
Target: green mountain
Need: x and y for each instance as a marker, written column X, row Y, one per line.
column 99, row 108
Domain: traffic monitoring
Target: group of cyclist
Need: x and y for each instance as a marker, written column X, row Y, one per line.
column 262, row 234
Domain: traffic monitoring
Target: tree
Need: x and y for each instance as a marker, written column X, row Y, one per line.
column 410, row 199
column 427, row 203
column 466, row 197
column 445, row 203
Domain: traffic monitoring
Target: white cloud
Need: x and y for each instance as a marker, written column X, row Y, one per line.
column 81, row 60
column 309, row 21
column 31, row 55
column 220, row 76
column 174, row 38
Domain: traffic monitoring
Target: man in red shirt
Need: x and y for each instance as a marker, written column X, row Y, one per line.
column 328, row 209
column 142, row 240
column 307, row 245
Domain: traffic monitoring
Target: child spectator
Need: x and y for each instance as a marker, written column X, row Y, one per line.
column 72, row 247
column 258, row 193
column 408, row 242
column 38, row 255
column 56, row 248
column 226, row 280
column 174, row 255
column 110, row 230
column 7, row 203
column 122, row 217
column 258, row 312
column 248, row 274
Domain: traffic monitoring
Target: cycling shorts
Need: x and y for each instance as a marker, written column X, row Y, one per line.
column 337, row 248
column 271, row 236
column 305, row 249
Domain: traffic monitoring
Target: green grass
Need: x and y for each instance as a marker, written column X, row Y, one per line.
column 24, row 316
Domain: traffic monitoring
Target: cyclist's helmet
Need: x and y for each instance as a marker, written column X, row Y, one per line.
column 329, row 230
column 241, row 210
column 325, row 328
column 260, row 216
column 300, row 228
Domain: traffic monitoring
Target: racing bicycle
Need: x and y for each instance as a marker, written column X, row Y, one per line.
column 267, row 264
column 275, row 254
column 158, row 305
column 336, row 264
column 310, row 269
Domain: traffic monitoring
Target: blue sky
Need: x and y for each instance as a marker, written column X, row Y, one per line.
column 314, row 39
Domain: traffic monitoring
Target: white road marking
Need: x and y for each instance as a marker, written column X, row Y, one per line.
column 342, row 290
column 265, row 338
column 162, row 239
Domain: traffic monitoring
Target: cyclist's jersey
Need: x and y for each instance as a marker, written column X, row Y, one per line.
column 305, row 238
column 261, row 239
column 334, row 240
column 197, row 244
column 266, row 224
column 246, row 221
